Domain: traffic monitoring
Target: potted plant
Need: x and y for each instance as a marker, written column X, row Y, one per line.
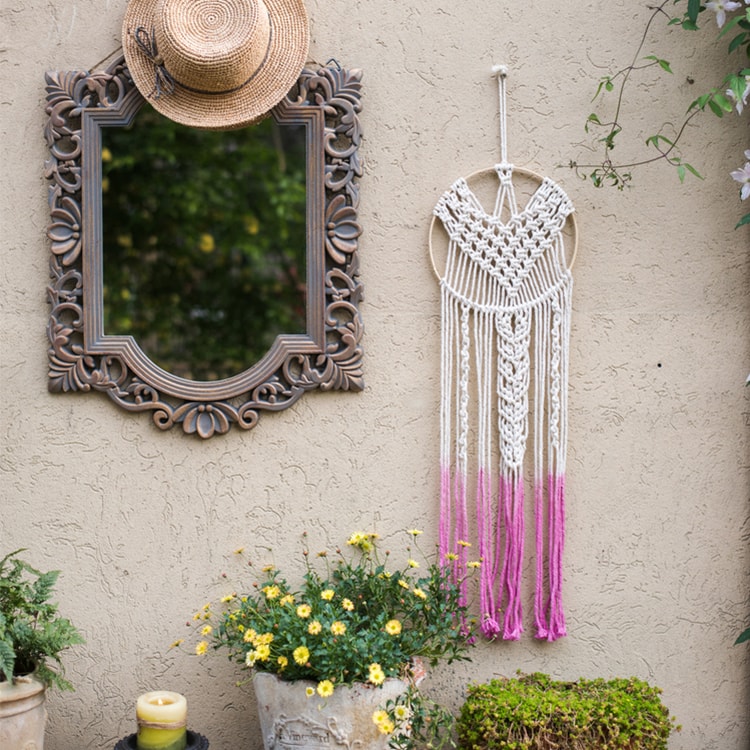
column 32, row 637
column 342, row 653
column 535, row 712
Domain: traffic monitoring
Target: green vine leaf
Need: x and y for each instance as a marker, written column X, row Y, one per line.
column 663, row 64
column 694, row 8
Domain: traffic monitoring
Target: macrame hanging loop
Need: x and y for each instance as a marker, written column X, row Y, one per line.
column 506, row 306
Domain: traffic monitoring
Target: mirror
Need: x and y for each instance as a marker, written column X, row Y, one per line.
column 215, row 244
column 92, row 341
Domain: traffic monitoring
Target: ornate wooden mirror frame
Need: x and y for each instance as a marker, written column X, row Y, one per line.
column 83, row 357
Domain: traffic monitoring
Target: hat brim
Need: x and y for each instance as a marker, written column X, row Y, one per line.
column 224, row 111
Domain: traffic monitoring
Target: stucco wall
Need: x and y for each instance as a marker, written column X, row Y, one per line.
column 658, row 549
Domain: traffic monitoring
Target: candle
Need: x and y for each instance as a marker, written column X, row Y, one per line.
column 162, row 721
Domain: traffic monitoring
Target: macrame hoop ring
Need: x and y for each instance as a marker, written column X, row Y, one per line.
column 491, row 171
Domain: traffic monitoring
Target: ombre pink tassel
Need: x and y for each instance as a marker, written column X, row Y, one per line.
column 513, row 569
column 549, row 615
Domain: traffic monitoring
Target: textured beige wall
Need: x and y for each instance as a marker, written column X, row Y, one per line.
column 658, row 551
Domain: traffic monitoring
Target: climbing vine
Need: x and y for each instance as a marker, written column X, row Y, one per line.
column 727, row 97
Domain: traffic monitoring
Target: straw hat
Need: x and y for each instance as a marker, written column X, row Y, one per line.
column 215, row 64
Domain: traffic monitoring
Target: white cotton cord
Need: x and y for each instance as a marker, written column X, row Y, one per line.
column 501, row 73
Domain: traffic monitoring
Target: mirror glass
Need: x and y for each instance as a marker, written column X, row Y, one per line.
column 203, row 241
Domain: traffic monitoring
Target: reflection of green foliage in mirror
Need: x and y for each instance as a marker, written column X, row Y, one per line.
column 204, row 241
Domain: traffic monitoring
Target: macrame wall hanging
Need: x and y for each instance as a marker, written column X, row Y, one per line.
column 506, row 305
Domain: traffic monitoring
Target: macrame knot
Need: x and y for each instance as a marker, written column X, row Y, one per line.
column 163, row 81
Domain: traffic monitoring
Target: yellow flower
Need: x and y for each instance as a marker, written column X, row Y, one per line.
column 198, row 616
column 462, row 543
column 327, row 594
column 250, row 659
column 451, row 556
column 338, row 628
column 200, row 649
column 177, row 643
column 249, row 635
column 227, row 598
column 404, row 584
column 263, row 640
column 380, row 716
column 401, row 712
column 304, row 611
column 414, row 532
column 393, row 627
column 376, row 675
column 413, row 563
column 272, row 592
column 421, row 594
column 282, row 662
column 106, row 154
column 301, row 654
column 361, row 539
column 325, row 688
column 309, row 691
column 347, row 604
column 267, row 569
column 314, row 628
column 239, row 550
column 262, row 652
column 286, row 599
column 206, row 630
column 386, row 727
column 473, row 564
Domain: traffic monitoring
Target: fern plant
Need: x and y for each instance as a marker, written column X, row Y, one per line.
column 32, row 634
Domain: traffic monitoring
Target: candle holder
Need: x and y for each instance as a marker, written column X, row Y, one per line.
column 195, row 741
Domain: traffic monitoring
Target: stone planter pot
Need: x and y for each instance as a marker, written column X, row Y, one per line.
column 23, row 714
column 290, row 719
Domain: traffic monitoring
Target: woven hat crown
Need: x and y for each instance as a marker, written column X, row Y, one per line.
column 212, row 45
column 215, row 64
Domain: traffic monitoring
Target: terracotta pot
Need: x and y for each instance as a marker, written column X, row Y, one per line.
column 290, row 719
column 23, row 714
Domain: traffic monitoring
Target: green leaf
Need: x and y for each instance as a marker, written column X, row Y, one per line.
column 723, row 102
column 7, row 659
column 591, row 118
column 664, row 64
column 655, row 139
column 731, row 24
column 605, row 83
column 694, row 7
column 681, row 172
column 741, row 223
column 690, row 168
column 739, row 40
column 745, row 635
column 715, row 108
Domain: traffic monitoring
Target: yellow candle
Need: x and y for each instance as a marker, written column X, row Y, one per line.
column 162, row 721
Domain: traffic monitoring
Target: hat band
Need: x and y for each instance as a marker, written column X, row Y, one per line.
column 165, row 82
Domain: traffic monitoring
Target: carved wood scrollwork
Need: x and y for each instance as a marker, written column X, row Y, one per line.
column 83, row 358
